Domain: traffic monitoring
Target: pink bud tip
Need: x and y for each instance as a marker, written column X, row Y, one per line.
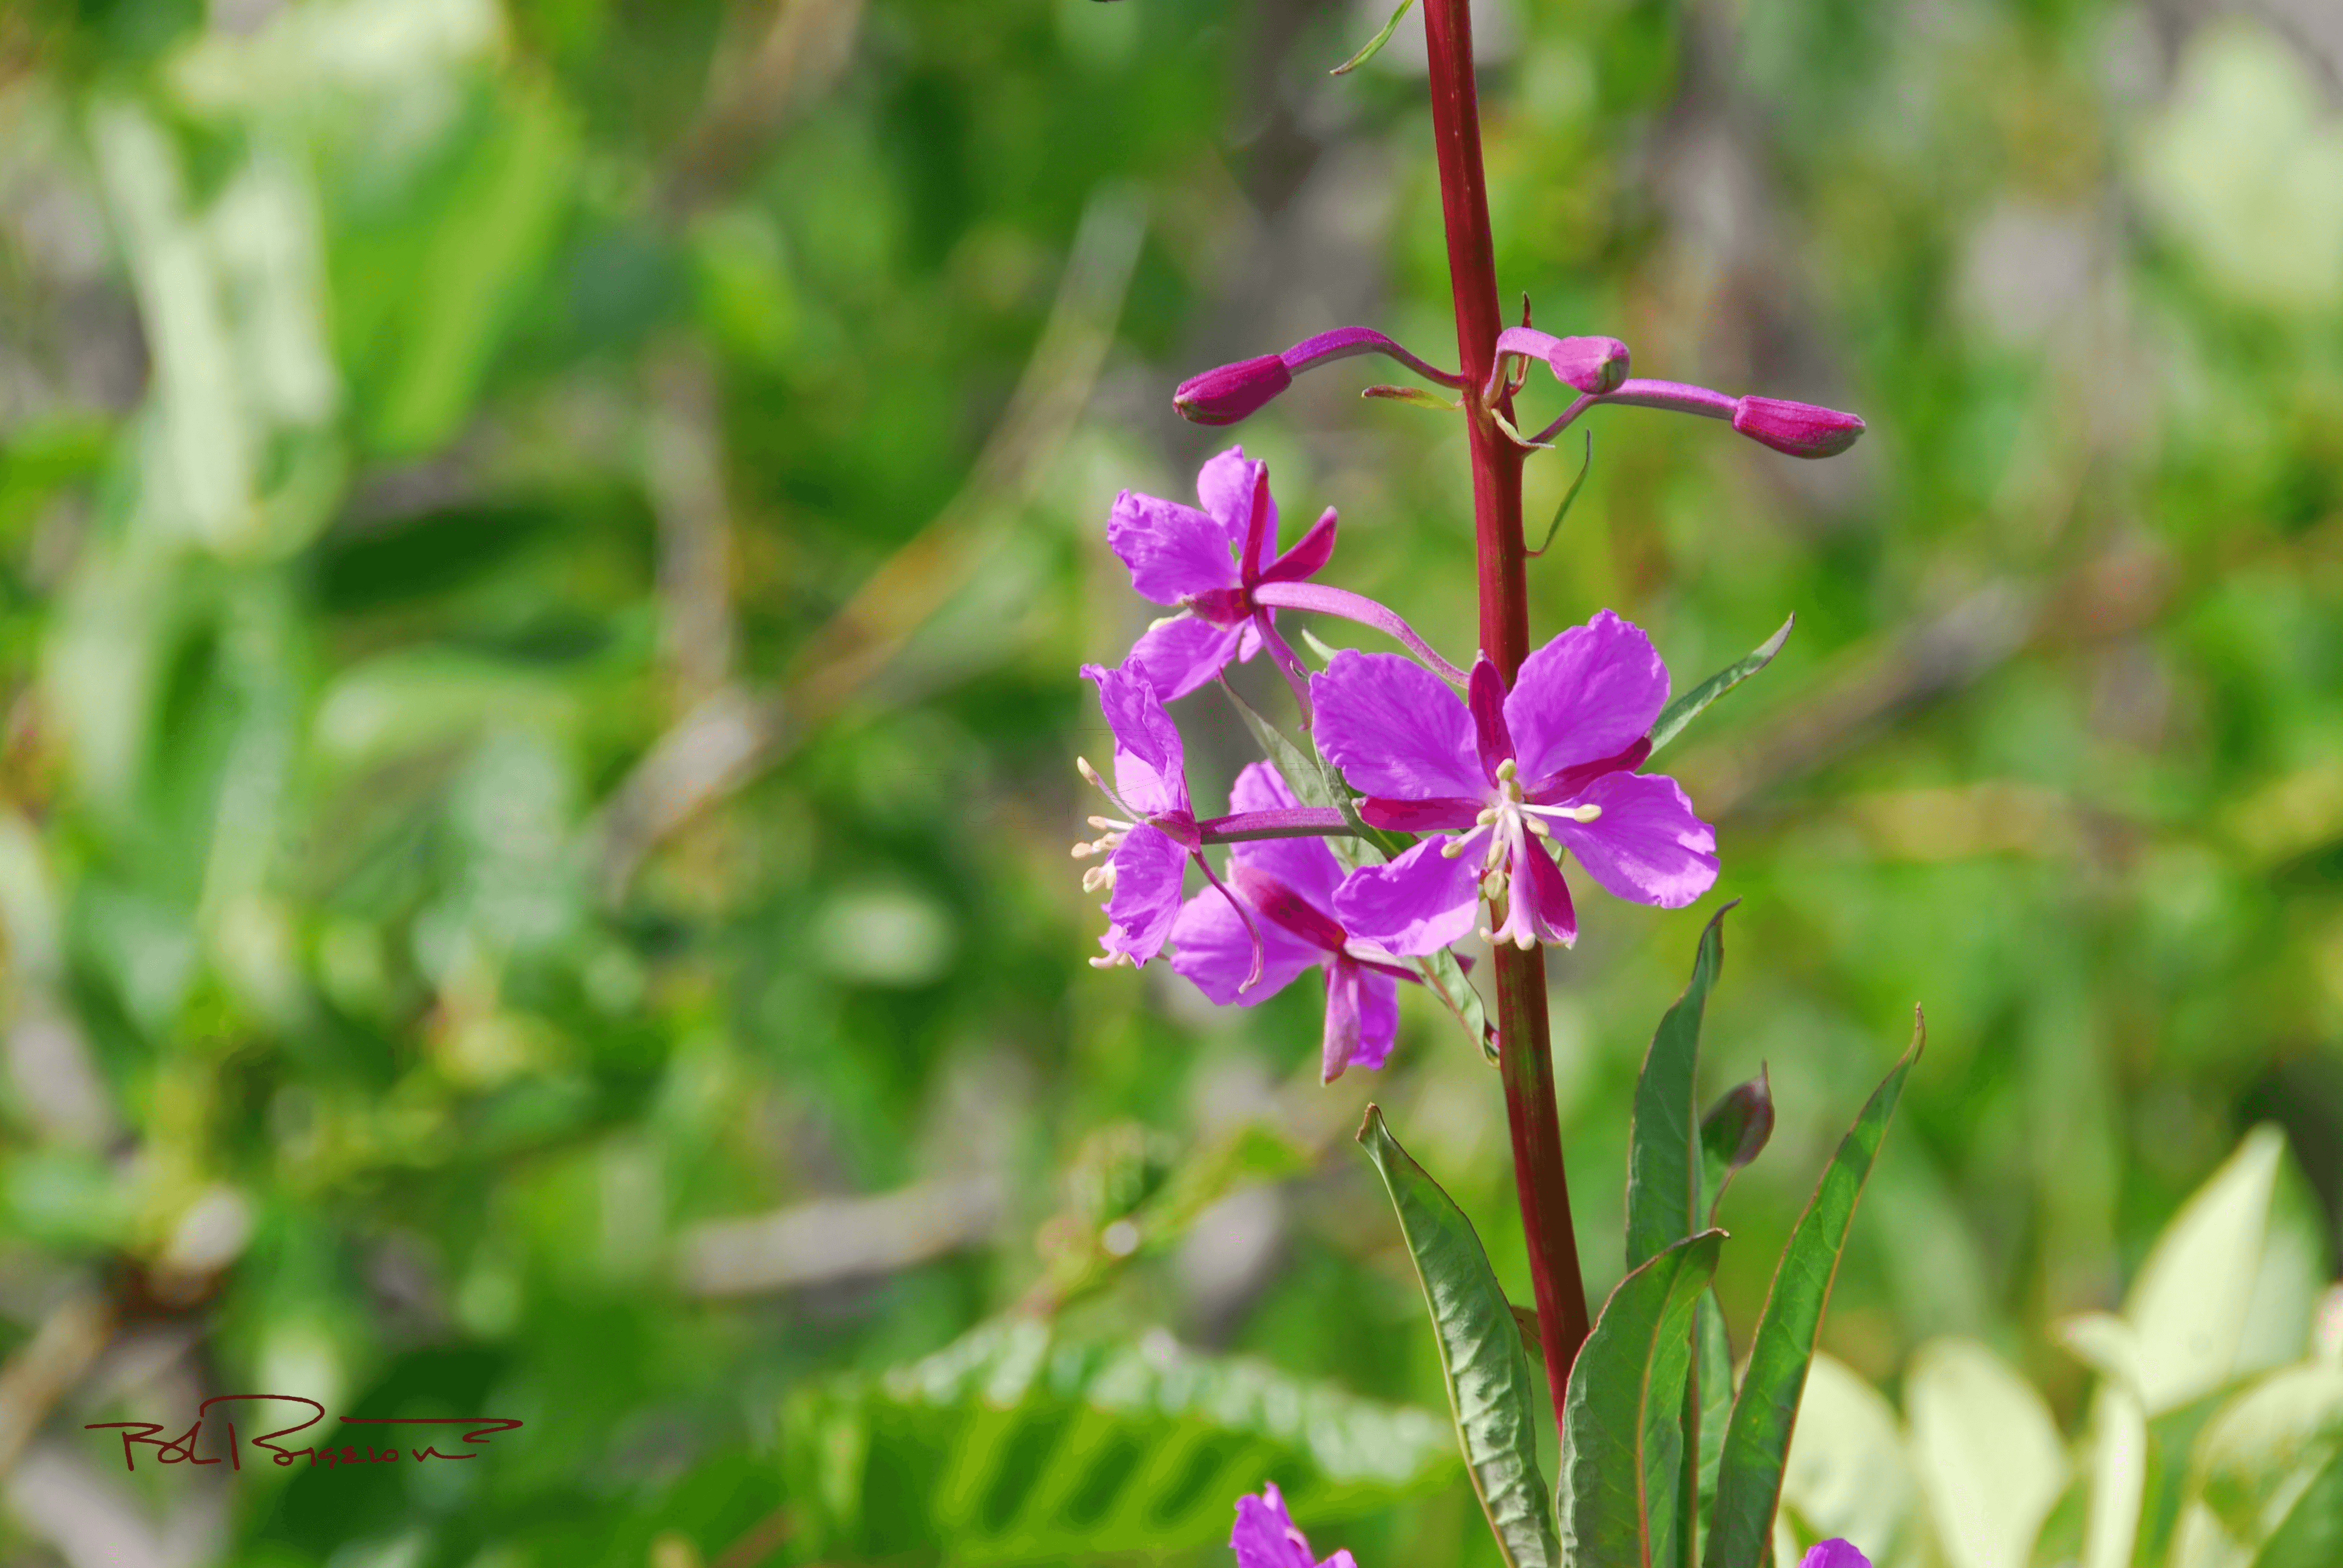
column 1800, row 430
column 1595, row 365
column 1834, row 1554
column 1226, row 393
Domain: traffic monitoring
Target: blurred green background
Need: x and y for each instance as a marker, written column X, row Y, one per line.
column 543, row 551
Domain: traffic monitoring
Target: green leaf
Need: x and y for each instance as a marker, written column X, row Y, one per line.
column 1488, row 1374
column 1374, row 45
column 1553, row 527
column 1018, row 1444
column 1732, row 1133
column 1712, row 1388
column 1757, row 1441
column 2190, row 1304
column 1444, row 976
column 1662, row 1156
column 1687, row 708
column 1622, row 1451
column 1987, row 1455
column 2265, row 1484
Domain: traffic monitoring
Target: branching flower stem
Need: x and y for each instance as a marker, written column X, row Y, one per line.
column 1526, row 1054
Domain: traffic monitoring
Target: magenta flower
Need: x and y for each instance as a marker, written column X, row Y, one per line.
column 1596, row 365
column 1290, row 884
column 1147, row 848
column 1265, row 1536
column 1834, row 1554
column 1554, row 758
column 1209, row 563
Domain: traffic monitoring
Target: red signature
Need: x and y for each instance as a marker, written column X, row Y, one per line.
column 181, row 1449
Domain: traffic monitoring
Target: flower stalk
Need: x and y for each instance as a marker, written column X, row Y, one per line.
column 1525, row 1049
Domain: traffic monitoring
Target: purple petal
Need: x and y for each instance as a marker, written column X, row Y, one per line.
column 1340, row 1040
column 1834, row 1554
column 1265, row 1536
column 1173, row 551
column 1419, row 903
column 1224, row 485
column 1150, row 768
column 1305, row 865
column 1309, row 556
column 1537, row 887
column 1591, row 692
column 1213, row 948
column 1647, row 847
column 1394, row 728
column 1249, row 638
column 1259, row 534
column 1486, row 695
column 1449, row 815
column 1148, row 868
column 1378, row 1022
column 1181, row 652
column 1227, row 393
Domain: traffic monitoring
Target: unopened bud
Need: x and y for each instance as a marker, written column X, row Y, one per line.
column 1229, row 392
column 1800, row 430
column 1595, row 365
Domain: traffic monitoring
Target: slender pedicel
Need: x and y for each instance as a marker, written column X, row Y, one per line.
column 1228, row 392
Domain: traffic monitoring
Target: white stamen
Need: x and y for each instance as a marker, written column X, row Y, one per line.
column 1488, row 815
column 1506, row 771
column 1566, row 813
column 1099, row 877
column 1451, row 849
column 1534, row 826
column 1083, row 766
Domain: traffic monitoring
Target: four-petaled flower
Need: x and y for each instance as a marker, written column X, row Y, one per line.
column 1209, row 563
column 1552, row 759
column 1265, row 1536
column 1291, row 885
column 1149, row 847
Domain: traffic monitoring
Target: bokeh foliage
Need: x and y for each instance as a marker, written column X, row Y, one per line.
column 543, row 551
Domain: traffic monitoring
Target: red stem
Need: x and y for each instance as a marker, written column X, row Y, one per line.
column 1525, row 1050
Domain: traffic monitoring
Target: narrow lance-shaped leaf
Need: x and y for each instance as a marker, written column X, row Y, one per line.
column 1374, row 45
column 1687, row 708
column 1663, row 1178
column 1712, row 1387
column 1732, row 1133
column 1757, row 1440
column 1480, row 1355
column 1662, row 1154
column 1622, row 1445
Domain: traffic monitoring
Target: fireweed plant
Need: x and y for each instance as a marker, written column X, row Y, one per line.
column 1417, row 801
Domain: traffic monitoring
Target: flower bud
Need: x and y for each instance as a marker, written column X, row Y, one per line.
column 1800, row 430
column 1596, row 365
column 1226, row 393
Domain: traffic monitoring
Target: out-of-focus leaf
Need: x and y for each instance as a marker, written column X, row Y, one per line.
column 1712, row 1373
column 1664, row 1156
column 2265, row 1484
column 1623, row 1459
column 1989, row 1458
column 1687, row 708
column 1847, row 1474
column 1245, row 1156
column 1489, row 1389
column 1757, row 1441
column 2190, row 1304
column 1015, row 1444
column 1733, row 1132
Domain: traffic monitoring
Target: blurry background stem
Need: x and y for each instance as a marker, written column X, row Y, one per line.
column 1526, row 1052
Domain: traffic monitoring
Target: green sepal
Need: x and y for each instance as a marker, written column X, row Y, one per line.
column 1487, row 1372
column 1687, row 708
column 1416, row 397
column 1758, row 1439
